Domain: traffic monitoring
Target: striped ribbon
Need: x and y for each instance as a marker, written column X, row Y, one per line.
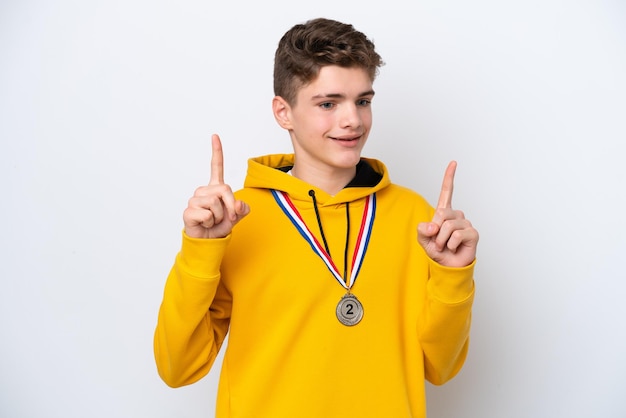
column 362, row 240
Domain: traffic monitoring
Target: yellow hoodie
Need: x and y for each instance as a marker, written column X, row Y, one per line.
column 287, row 353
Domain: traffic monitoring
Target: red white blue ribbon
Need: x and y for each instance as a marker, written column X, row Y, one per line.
column 362, row 242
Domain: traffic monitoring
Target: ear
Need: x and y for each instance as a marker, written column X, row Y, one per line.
column 282, row 112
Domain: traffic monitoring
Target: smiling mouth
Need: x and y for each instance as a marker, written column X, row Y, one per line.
column 347, row 139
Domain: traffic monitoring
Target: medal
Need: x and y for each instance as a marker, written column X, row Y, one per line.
column 349, row 309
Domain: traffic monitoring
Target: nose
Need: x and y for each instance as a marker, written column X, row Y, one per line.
column 350, row 116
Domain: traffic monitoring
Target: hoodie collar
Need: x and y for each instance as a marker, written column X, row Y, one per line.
column 365, row 176
column 270, row 172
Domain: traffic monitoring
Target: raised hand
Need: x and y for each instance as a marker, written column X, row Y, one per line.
column 213, row 211
column 449, row 239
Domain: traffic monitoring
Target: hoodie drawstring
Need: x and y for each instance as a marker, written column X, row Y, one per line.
column 319, row 223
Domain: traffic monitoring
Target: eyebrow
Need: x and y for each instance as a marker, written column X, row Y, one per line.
column 340, row 95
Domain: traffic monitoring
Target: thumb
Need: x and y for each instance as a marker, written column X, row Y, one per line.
column 241, row 209
column 426, row 231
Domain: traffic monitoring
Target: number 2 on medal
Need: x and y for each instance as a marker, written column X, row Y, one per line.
column 349, row 310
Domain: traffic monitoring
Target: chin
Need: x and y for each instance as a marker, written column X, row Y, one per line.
column 349, row 161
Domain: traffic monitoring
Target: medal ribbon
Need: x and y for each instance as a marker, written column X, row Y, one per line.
column 361, row 244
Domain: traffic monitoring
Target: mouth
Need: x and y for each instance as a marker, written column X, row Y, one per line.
column 347, row 138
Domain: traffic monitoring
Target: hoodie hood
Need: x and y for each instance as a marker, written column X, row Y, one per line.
column 270, row 172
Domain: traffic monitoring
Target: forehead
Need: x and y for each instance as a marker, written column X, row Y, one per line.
column 333, row 80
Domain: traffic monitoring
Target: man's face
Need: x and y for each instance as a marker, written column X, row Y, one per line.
column 332, row 118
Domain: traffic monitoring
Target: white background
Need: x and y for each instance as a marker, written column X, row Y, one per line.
column 106, row 111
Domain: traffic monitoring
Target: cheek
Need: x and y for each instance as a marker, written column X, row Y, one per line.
column 321, row 123
column 312, row 120
column 366, row 117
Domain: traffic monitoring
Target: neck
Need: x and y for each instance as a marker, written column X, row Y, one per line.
column 329, row 180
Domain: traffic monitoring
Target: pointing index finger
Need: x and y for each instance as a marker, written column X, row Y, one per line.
column 217, row 161
column 445, row 197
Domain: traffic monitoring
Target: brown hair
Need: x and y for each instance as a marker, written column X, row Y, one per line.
column 306, row 48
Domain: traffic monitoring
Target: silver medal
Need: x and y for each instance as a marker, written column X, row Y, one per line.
column 349, row 310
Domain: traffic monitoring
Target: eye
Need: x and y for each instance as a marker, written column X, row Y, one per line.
column 327, row 105
column 364, row 102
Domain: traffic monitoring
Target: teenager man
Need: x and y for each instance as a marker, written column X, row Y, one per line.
column 341, row 291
